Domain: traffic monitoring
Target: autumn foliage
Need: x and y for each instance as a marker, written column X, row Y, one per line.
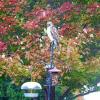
column 23, row 42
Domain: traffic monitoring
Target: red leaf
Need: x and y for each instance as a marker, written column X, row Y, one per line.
column 65, row 28
column 12, row 2
column 3, row 28
column 42, row 14
column 1, row 4
column 3, row 46
column 31, row 24
column 65, row 7
column 93, row 7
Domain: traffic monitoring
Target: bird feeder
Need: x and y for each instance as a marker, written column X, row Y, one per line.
column 55, row 75
column 31, row 89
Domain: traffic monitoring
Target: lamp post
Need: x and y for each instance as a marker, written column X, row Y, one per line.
column 30, row 89
column 52, row 71
column 52, row 80
column 52, row 74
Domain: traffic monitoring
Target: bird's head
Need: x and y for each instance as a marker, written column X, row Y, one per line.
column 49, row 23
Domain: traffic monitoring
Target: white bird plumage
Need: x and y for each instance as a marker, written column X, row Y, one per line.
column 52, row 33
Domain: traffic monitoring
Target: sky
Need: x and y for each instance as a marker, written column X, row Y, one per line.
column 92, row 96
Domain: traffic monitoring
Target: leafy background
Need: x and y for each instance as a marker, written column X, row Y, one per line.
column 24, row 47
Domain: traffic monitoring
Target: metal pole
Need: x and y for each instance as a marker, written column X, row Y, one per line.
column 50, row 87
column 51, row 54
column 51, row 66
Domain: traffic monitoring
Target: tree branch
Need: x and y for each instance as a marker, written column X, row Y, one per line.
column 64, row 94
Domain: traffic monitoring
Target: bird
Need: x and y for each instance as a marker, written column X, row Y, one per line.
column 52, row 33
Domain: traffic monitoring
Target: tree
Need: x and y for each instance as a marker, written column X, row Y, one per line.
column 25, row 46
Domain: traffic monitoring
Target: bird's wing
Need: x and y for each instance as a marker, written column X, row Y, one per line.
column 54, row 33
column 49, row 33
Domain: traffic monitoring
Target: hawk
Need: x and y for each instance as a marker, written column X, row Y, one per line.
column 52, row 33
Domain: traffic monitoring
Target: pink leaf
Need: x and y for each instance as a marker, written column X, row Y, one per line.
column 31, row 24
column 1, row 4
column 65, row 28
column 65, row 7
column 85, row 30
column 3, row 46
column 12, row 2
